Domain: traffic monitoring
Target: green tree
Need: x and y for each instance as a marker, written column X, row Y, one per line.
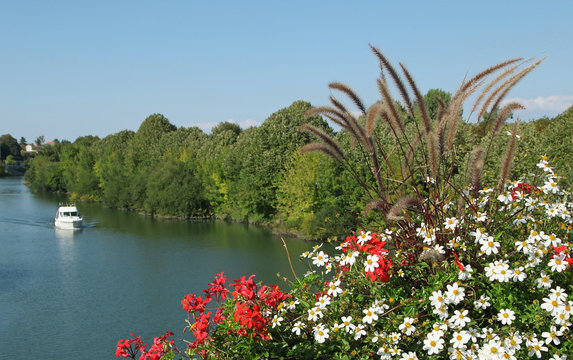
column 435, row 99
column 316, row 199
column 10, row 160
column 226, row 126
column 9, row 146
column 262, row 154
column 174, row 190
column 40, row 140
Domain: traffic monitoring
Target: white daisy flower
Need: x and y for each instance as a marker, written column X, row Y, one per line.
column 466, row 273
column 492, row 350
column 536, row 347
column 370, row 315
column 320, row 259
column 349, row 258
column 322, row 302
column 409, row 356
column 347, row 322
column 460, row 318
column 297, row 327
column 519, row 274
column 337, row 327
column 478, row 235
column 276, row 320
column 482, row 302
column 544, row 281
column 451, row 223
column 551, row 305
column 460, row 339
column 437, row 299
column 550, row 187
column 394, row 337
column 433, row 344
column 552, row 336
column 291, row 305
column 559, row 293
column 371, row 263
column 454, row 294
column 363, row 238
column 506, row 316
column 480, row 216
column 334, row 288
column 314, row 314
column 321, row 333
column 380, row 306
column 505, row 197
column 489, row 245
column 359, row 331
column 558, row 262
column 407, row 326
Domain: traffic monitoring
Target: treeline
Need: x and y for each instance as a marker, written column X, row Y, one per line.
column 258, row 174
column 255, row 174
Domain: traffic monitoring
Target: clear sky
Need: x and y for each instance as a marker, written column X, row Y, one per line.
column 76, row 68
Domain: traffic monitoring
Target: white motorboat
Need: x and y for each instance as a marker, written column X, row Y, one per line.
column 68, row 217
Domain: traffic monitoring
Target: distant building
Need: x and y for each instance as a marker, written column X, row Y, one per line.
column 34, row 148
column 31, row 148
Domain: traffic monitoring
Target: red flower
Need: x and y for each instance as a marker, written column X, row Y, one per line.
column 219, row 318
column 201, row 327
column 560, row 249
column 244, row 287
column 192, row 303
column 125, row 349
column 217, row 288
column 249, row 316
column 381, row 272
column 158, row 349
column 524, row 188
column 458, row 263
column 273, row 297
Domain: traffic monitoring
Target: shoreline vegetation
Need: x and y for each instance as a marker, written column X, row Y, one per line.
column 288, row 200
column 259, row 176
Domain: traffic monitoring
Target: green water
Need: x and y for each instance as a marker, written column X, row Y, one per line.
column 73, row 294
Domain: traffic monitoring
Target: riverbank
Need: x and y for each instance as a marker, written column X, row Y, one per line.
column 278, row 228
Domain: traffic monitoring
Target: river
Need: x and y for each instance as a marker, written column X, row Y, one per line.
column 74, row 294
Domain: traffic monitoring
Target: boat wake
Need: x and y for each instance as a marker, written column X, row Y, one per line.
column 26, row 222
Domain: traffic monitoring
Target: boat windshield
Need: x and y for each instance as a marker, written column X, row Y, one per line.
column 69, row 213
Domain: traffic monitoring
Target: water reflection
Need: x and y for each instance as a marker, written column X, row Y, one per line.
column 65, row 235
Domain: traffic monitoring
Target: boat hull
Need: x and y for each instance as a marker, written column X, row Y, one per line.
column 68, row 224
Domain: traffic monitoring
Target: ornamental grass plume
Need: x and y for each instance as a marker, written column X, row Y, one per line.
column 405, row 170
column 457, row 271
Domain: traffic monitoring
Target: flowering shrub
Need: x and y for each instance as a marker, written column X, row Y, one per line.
column 493, row 284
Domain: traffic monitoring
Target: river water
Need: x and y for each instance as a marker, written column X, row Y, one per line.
column 74, row 294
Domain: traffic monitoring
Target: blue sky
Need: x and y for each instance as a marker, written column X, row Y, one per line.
column 75, row 68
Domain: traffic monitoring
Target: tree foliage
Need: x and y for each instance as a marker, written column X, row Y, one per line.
column 9, row 146
column 258, row 174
